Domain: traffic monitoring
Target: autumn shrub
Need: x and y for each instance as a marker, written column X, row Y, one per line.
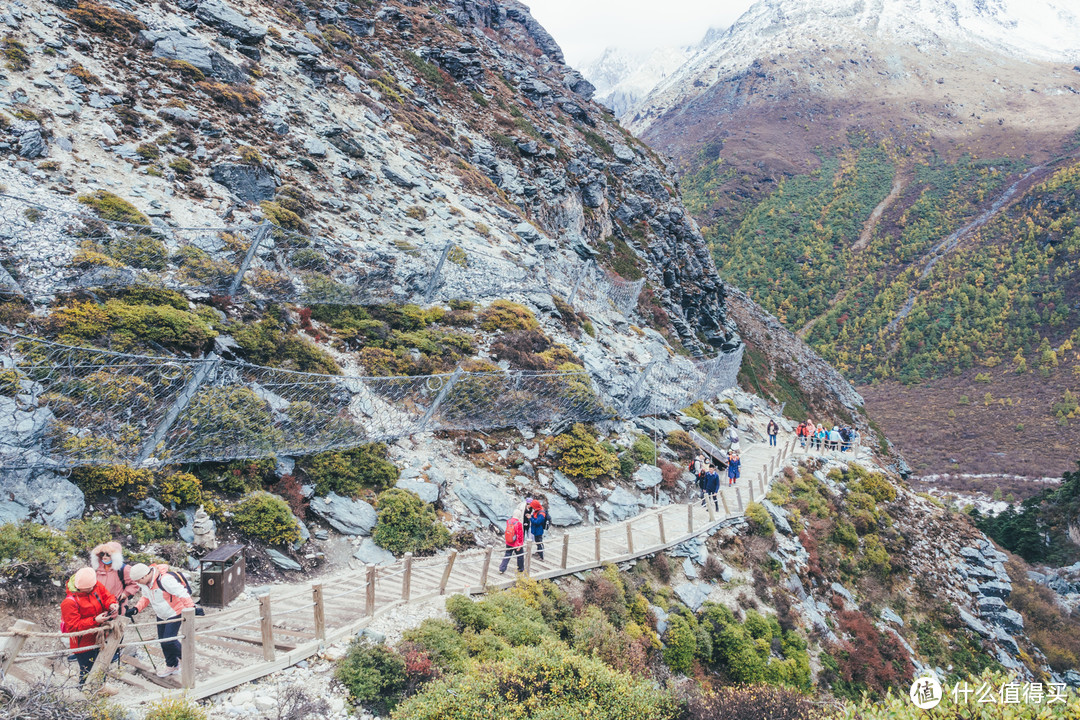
column 661, row 567
column 271, row 342
column 283, row 217
column 267, row 518
column 671, row 474
column 625, row 650
column 505, row 315
column 15, row 54
column 867, row 661
column 752, row 702
column 408, row 524
column 443, row 643
column 607, row 592
column 681, row 442
column 373, row 675
column 238, row 98
column 106, row 21
column 1053, row 629
column 140, row 251
column 348, row 472
column 580, row 455
column 113, row 480
column 183, row 489
column 541, row 681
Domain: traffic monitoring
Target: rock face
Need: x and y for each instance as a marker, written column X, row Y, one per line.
column 39, row 495
column 348, row 516
column 620, row 505
column 282, row 560
column 564, row 486
column 426, row 491
column 371, row 554
column 648, row 476
column 229, row 22
column 249, row 183
column 561, row 512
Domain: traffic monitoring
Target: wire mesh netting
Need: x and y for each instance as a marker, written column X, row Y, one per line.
column 45, row 251
column 63, row 406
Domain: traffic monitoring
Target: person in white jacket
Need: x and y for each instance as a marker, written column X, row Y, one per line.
column 164, row 591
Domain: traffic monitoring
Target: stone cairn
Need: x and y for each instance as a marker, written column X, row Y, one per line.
column 203, row 528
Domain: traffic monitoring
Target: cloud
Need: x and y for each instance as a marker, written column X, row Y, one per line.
column 584, row 28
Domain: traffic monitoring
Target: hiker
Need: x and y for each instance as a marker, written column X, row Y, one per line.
column 514, row 536
column 834, row 438
column 107, row 560
column 167, row 592
column 711, row 487
column 819, row 438
column 773, row 430
column 539, row 524
column 88, row 605
column 697, row 468
column 733, row 467
column 733, row 437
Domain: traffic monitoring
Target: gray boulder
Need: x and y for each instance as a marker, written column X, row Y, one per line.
column 693, row 595
column 648, row 476
column 620, row 505
column 561, row 512
column 1072, row 678
column 623, row 153
column 564, row 486
column 229, row 22
column 348, row 516
column 890, row 616
column 1010, row 621
column 483, row 498
column 249, row 183
column 397, row 178
column 371, row 554
column 41, row 495
column 31, row 143
column 991, row 606
column 779, row 517
column 996, row 589
column 151, row 509
column 426, row 491
column 282, row 560
column 974, row 624
column 661, row 616
column 689, row 570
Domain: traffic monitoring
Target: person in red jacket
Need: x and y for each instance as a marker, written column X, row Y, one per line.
column 515, row 540
column 87, row 605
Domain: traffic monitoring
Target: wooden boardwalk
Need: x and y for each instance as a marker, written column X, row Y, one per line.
column 261, row 636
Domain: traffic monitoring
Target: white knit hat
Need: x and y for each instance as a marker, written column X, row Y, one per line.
column 138, row 571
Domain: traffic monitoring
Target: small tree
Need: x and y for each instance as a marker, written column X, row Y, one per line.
column 408, row 524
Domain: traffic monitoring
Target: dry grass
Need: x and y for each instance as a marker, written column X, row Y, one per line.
column 1055, row 631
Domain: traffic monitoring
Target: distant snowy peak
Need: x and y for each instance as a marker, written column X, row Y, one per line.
column 624, row 77
column 1040, row 30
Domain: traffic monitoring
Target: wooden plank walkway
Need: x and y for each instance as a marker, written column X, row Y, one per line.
column 230, row 647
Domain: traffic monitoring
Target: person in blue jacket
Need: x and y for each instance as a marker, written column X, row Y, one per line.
column 538, row 522
column 733, row 467
column 712, row 487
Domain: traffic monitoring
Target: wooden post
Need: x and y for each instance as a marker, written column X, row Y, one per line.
column 763, row 484
column 565, row 550
column 597, row 541
column 187, row 646
column 690, row 517
column 765, row 470
column 738, row 497
column 710, row 505
column 369, row 594
column 446, row 571
column 660, row 519
column 406, row 578
column 486, row 567
column 724, row 500
column 320, row 612
column 114, row 635
column 266, row 626
column 750, row 489
column 629, row 538
column 12, row 646
column 528, row 558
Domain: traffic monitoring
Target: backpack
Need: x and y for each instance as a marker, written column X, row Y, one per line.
column 182, row 579
column 540, row 519
column 514, row 532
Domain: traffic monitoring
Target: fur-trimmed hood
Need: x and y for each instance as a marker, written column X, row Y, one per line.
column 114, row 549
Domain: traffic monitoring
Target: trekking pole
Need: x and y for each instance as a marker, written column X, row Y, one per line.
column 148, row 653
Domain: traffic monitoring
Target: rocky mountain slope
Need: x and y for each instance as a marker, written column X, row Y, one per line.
column 860, row 170
column 623, row 78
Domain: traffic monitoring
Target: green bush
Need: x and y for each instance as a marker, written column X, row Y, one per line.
column 131, row 531
column 175, row 709
column 541, row 682
column 844, row 534
column 506, row 315
column 442, row 641
column 707, row 424
column 408, row 524
column 759, row 519
column 580, row 455
column 267, row 517
column 29, row 549
column 644, row 449
column 348, row 472
column 125, row 325
column 680, row 645
column 508, row 615
column 234, row 416
column 113, row 480
column 269, row 342
column 373, row 675
column 113, row 207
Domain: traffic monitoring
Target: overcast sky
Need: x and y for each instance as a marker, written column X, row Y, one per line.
column 583, row 28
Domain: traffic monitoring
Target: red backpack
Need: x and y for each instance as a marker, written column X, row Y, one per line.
column 514, row 534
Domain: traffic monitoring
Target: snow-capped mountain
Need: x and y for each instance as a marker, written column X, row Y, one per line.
column 624, row 77
column 834, row 42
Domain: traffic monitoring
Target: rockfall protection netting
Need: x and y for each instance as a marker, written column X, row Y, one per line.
column 63, row 406
column 45, row 251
